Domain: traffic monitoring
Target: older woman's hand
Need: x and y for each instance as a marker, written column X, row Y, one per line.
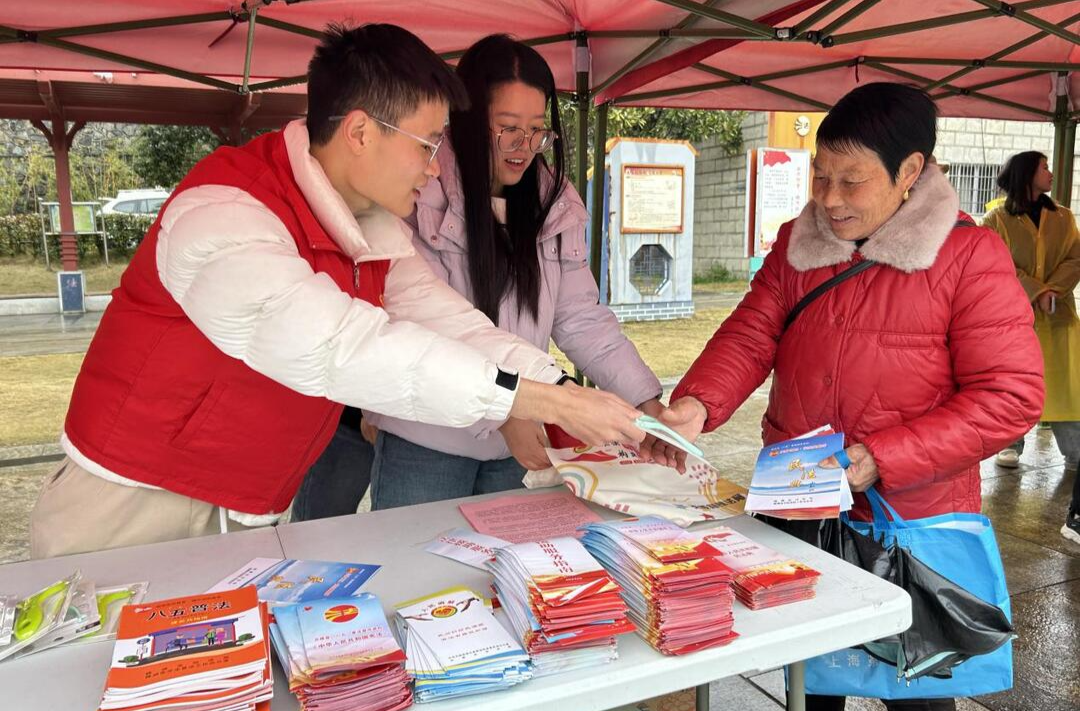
column 686, row 416
column 863, row 471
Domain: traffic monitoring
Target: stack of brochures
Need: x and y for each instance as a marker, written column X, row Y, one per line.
column 207, row 652
column 679, row 594
column 790, row 482
column 763, row 577
column 456, row 647
column 339, row 653
column 562, row 604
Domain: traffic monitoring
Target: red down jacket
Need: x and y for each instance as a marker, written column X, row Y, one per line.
column 929, row 359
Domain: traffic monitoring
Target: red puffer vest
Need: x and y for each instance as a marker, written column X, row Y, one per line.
column 158, row 403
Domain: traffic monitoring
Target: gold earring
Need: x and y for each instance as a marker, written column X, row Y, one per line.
column 907, row 195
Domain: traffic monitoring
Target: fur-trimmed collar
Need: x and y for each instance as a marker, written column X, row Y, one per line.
column 908, row 241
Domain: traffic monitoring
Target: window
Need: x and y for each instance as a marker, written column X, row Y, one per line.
column 650, row 269
column 975, row 184
column 153, row 205
column 127, row 206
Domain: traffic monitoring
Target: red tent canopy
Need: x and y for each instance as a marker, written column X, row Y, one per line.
column 232, row 64
column 749, row 54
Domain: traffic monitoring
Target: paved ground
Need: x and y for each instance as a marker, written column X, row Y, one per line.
column 1026, row 505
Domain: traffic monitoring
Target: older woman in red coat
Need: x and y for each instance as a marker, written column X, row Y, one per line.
column 927, row 360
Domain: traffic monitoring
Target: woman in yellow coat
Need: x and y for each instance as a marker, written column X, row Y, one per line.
column 1045, row 246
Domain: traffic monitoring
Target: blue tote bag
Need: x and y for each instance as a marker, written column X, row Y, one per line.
column 960, row 547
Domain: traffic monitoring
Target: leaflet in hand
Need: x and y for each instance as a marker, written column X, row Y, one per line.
column 790, row 482
column 679, row 594
column 456, row 647
column 282, row 581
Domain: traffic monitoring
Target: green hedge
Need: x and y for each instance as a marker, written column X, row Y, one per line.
column 20, row 235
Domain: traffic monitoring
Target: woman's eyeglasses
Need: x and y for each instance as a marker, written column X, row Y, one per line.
column 510, row 139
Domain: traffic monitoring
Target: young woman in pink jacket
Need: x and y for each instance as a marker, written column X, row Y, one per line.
column 505, row 229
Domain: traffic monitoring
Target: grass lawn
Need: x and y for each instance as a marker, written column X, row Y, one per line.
column 34, row 394
column 25, row 276
column 721, row 287
column 668, row 347
column 34, row 390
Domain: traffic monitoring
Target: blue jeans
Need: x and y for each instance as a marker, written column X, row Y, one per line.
column 405, row 474
column 338, row 479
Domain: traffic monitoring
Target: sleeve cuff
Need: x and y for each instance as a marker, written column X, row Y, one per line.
column 501, row 393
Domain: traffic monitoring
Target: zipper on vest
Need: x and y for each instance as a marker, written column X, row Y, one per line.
column 356, row 275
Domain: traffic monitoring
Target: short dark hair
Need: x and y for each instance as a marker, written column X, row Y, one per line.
column 1015, row 181
column 382, row 69
column 892, row 120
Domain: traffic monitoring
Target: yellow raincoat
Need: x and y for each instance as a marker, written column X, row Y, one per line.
column 1048, row 258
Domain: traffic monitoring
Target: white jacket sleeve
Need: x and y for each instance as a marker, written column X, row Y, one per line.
column 233, row 268
column 414, row 293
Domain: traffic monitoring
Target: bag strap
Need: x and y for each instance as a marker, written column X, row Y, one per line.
column 880, row 506
column 825, row 286
column 841, row 278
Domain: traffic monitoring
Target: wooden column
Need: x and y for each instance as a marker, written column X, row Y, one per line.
column 60, row 140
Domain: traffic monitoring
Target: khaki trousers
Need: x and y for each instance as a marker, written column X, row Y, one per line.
column 77, row 512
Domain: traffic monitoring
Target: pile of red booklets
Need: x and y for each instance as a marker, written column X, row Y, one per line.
column 763, row 577
column 679, row 594
column 562, row 604
column 208, row 652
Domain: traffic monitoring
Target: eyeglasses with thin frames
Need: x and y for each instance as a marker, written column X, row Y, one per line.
column 510, row 139
column 433, row 147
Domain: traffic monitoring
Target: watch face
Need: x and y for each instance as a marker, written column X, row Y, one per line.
column 802, row 125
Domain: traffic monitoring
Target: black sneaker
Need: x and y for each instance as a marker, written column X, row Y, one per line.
column 1071, row 529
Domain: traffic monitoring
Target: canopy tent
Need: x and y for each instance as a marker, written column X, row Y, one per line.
column 236, row 64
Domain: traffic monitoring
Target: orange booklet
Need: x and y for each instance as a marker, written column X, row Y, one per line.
column 205, row 651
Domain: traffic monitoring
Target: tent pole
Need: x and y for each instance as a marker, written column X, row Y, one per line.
column 1001, row 54
column 581, row 64
column 249, row 48
column 962, row 92
column 599, row 188
column 1064, row 139
column 687, row 23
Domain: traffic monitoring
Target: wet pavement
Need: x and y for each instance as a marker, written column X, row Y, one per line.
column 1027, row 506
column 44, row 334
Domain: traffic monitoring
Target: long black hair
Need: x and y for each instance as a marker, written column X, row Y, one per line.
column 1015, row 181
column 503, row 260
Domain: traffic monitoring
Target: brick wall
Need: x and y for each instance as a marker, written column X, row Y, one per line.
column 720, row 211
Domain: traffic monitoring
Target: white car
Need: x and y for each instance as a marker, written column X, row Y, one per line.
column 136, row 202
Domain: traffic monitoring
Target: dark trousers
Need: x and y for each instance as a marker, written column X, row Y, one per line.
column 836, row 703
column 338, row 479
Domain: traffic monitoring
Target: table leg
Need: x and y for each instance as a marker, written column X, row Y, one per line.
column 796, row 690
column 702, row 700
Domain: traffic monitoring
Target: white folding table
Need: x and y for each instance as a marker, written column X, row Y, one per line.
column 851, row 607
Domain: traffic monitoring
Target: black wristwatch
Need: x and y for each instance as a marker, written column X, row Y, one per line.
column 565, row 377
column 506, row 379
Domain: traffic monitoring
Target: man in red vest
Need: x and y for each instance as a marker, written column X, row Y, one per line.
column 277, row 285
